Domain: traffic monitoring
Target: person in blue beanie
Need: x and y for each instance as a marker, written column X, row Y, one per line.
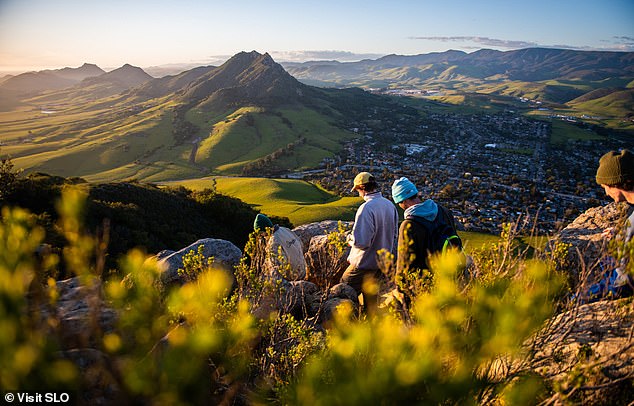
column 428, row 227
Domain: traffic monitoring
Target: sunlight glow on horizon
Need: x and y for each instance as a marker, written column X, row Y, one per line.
column 40, row 34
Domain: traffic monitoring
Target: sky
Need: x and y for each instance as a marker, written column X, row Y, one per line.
column 51, row 34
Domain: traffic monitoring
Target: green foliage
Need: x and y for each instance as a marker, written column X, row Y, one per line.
column 205, row 343
column 8, row 176
column 442, row 357
column 132, row 215
column 28, row 350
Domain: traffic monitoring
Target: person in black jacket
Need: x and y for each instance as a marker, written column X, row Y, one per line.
column 428, row 227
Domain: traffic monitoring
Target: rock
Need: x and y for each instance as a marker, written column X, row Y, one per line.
column 163, row 254
column 307, row 231
column 299, row 298
column 344, row 291
column 331, row 305
column 584, row 234
column 225, row 255
column 597, row 334
column 98, row 386
column 81, row 313
column 325, row 263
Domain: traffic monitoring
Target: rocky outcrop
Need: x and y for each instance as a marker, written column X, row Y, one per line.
column 224, row 253
column 585, row 233
column 325, row 261
column 80, row 312
column 307, row 231
column 594, row 341
column 79, row 319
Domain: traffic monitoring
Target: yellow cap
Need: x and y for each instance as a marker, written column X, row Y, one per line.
column 361, row 179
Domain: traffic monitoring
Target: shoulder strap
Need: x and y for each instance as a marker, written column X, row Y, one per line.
column 441, row 234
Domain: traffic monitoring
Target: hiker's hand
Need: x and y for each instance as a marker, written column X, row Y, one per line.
column 608, row 233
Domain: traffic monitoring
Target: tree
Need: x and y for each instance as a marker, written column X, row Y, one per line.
column 8, row 177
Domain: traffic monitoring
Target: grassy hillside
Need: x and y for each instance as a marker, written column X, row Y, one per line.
column 139, row 215
column 300, row 201
column 248, row 113
column 616, row 104
column 250, row 133
column 113, row 140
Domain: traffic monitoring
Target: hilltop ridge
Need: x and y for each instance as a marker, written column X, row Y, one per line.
column 126, row 76
column 246, row 77
column 33, row 82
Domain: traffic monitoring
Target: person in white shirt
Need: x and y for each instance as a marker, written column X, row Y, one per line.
column 375, row 228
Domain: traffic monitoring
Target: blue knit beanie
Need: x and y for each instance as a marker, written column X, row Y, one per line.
column 403, row 189
column 261, row 222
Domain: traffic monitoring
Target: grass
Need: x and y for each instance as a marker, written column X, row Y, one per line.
column 304, row 203
column 249, row 134
column 562, row 132
column 300, row 201
column 112, row 139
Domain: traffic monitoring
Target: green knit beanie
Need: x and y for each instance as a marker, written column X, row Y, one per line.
column 261, row 222
column 615, row 168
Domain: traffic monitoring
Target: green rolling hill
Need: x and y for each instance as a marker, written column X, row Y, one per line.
column 245, row 116
column 250, row 117
column 554, row 77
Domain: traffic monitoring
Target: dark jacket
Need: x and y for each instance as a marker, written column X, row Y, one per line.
column 414, row 255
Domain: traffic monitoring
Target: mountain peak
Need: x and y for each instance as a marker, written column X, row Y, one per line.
column 126, row 76
column 246, row 77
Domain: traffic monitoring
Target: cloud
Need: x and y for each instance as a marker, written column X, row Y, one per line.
column 500, row 43
column 622, row 43
column 303, row 56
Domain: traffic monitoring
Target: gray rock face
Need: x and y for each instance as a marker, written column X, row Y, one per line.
column 585, row 232
column 597, row 334
column 224, row 253
column 588, row 244
column 325, row 263
column 307, row 231
column 81, row 313
column 595, row 339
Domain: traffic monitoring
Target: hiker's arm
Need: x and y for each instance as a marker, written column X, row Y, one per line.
column 362, row 232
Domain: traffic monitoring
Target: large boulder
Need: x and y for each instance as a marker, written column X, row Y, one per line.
column 224, row 253
column 81, row 312
column 596, row 341
column 307, row 231
column 325, row 261
column 586, row 238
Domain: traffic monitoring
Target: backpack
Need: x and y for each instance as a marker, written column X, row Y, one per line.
column 441, row 234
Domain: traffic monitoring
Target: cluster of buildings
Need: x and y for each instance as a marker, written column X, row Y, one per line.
column 489, row 169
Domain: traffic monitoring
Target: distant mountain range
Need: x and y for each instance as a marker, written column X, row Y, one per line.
column 34, row 82
column 247, row 116
column 550, row 75
column 252, row 116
